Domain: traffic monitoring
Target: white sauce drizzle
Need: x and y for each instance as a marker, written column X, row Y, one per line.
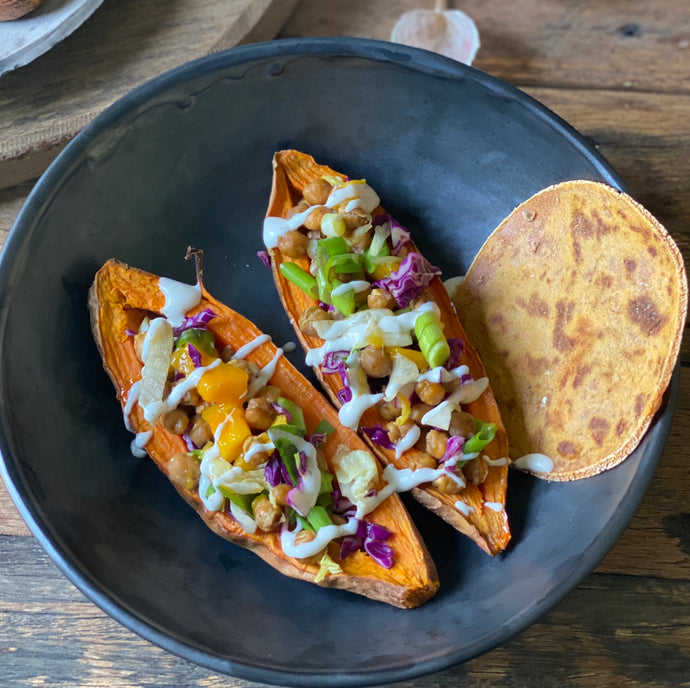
column 464, row 508
column 323, row 537
column 503, row 461
column 494, row 506
column 139, row 442
column 258, row 448
column 357, row 194
column 408, row 440
column 264, row 375
column 132, row 399
column 539, row 463
column 179, row 298
column 351, row 412
column 275, row 227
column 245, row 350
column 355, row 286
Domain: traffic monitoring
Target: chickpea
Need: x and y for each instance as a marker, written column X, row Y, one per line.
column 313, row 220
column 422, row 460
column 354, row 221
column 257, row 458
column 176, row 421
column 270, row 392
column 423, row 298
column 361, row 242
column 293, row 243
column 431, row 393
column 304, row 536
column 317, row 192
column 418, row 411
column 375, row 362
column 388, row 410
column 200, row 432
column 280, row 493
column 260, row 414
column 338, row 520
column 183, row 470
column 312, row 315
column 446, row 484
column 226, row 354
column 191, row 398
column 436, row 442
column 461, row 424
column 266, row 515
column 299, row 208
column 476, row 470
column 381, row 298
column 396, row 432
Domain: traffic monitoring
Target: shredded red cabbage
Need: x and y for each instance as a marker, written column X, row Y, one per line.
column 399, row 235
column 198, row 320
column 371, row 538
column 194, row 354
column 378, row 435
column 453, row 448
column 276, row 472
column 265, row 258
column 188, row 441
column 282, row 411
column 317, row 439
column 457, row 349
column 131, row 333
column 344, row 395
column 409, row 281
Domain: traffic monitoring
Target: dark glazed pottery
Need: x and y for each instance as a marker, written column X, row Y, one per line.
column 186, row 160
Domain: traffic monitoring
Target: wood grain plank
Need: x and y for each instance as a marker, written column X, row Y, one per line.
column 634, row 45
column 123, row 44
column 615, row 629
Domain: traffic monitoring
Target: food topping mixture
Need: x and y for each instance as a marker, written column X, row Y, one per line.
column 381, row 330
column 250, row 452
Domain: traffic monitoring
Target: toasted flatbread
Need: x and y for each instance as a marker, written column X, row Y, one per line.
column 577, row 304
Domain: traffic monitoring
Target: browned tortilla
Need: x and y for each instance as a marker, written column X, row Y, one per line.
column 577, row 304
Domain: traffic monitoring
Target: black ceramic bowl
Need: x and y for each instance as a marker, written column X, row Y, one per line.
column 186, row 159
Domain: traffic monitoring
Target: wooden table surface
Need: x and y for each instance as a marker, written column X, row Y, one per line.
column 619, row 72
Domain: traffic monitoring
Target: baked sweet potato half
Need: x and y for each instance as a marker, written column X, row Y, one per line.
column 385, row 341
column 249, row 443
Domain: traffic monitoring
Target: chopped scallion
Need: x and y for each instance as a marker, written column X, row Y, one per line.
column 432, row 341
column 299, row 277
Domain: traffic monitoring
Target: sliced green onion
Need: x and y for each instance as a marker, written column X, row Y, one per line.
column 243, row 501
column 323, row 285
column 287, row 453
column 326, row 483
column 203, row 340
column 324, row 428
column 318, row 517
column 344, row 263
column 345, row 302
column 299, row 277
column 485, row 433
column 432, row 341
column 297, row 416
column 332, row 224
column 333, row 246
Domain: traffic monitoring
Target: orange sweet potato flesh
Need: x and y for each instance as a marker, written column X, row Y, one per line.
column 119, row 299
column 292, row 171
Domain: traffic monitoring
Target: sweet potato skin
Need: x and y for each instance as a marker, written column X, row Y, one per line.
column 118, row 299
column 292, row 171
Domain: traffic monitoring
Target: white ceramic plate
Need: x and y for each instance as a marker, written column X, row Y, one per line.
column 24, row 39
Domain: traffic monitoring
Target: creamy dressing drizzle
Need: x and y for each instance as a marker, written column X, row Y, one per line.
column 408, row 440
column 179, row 298
column 323, row 537
column 132, row 399
column 464, row 508
column 494, row 506
column 351, row 412
column 245, row 350
column 264, row 375
column 503, row 461
column 139, row 442
column 539, row 463
column 154, row 410
column 275, row 227
column 355, row 286
column 357, row 195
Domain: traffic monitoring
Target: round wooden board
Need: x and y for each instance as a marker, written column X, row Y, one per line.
column 123, row 44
